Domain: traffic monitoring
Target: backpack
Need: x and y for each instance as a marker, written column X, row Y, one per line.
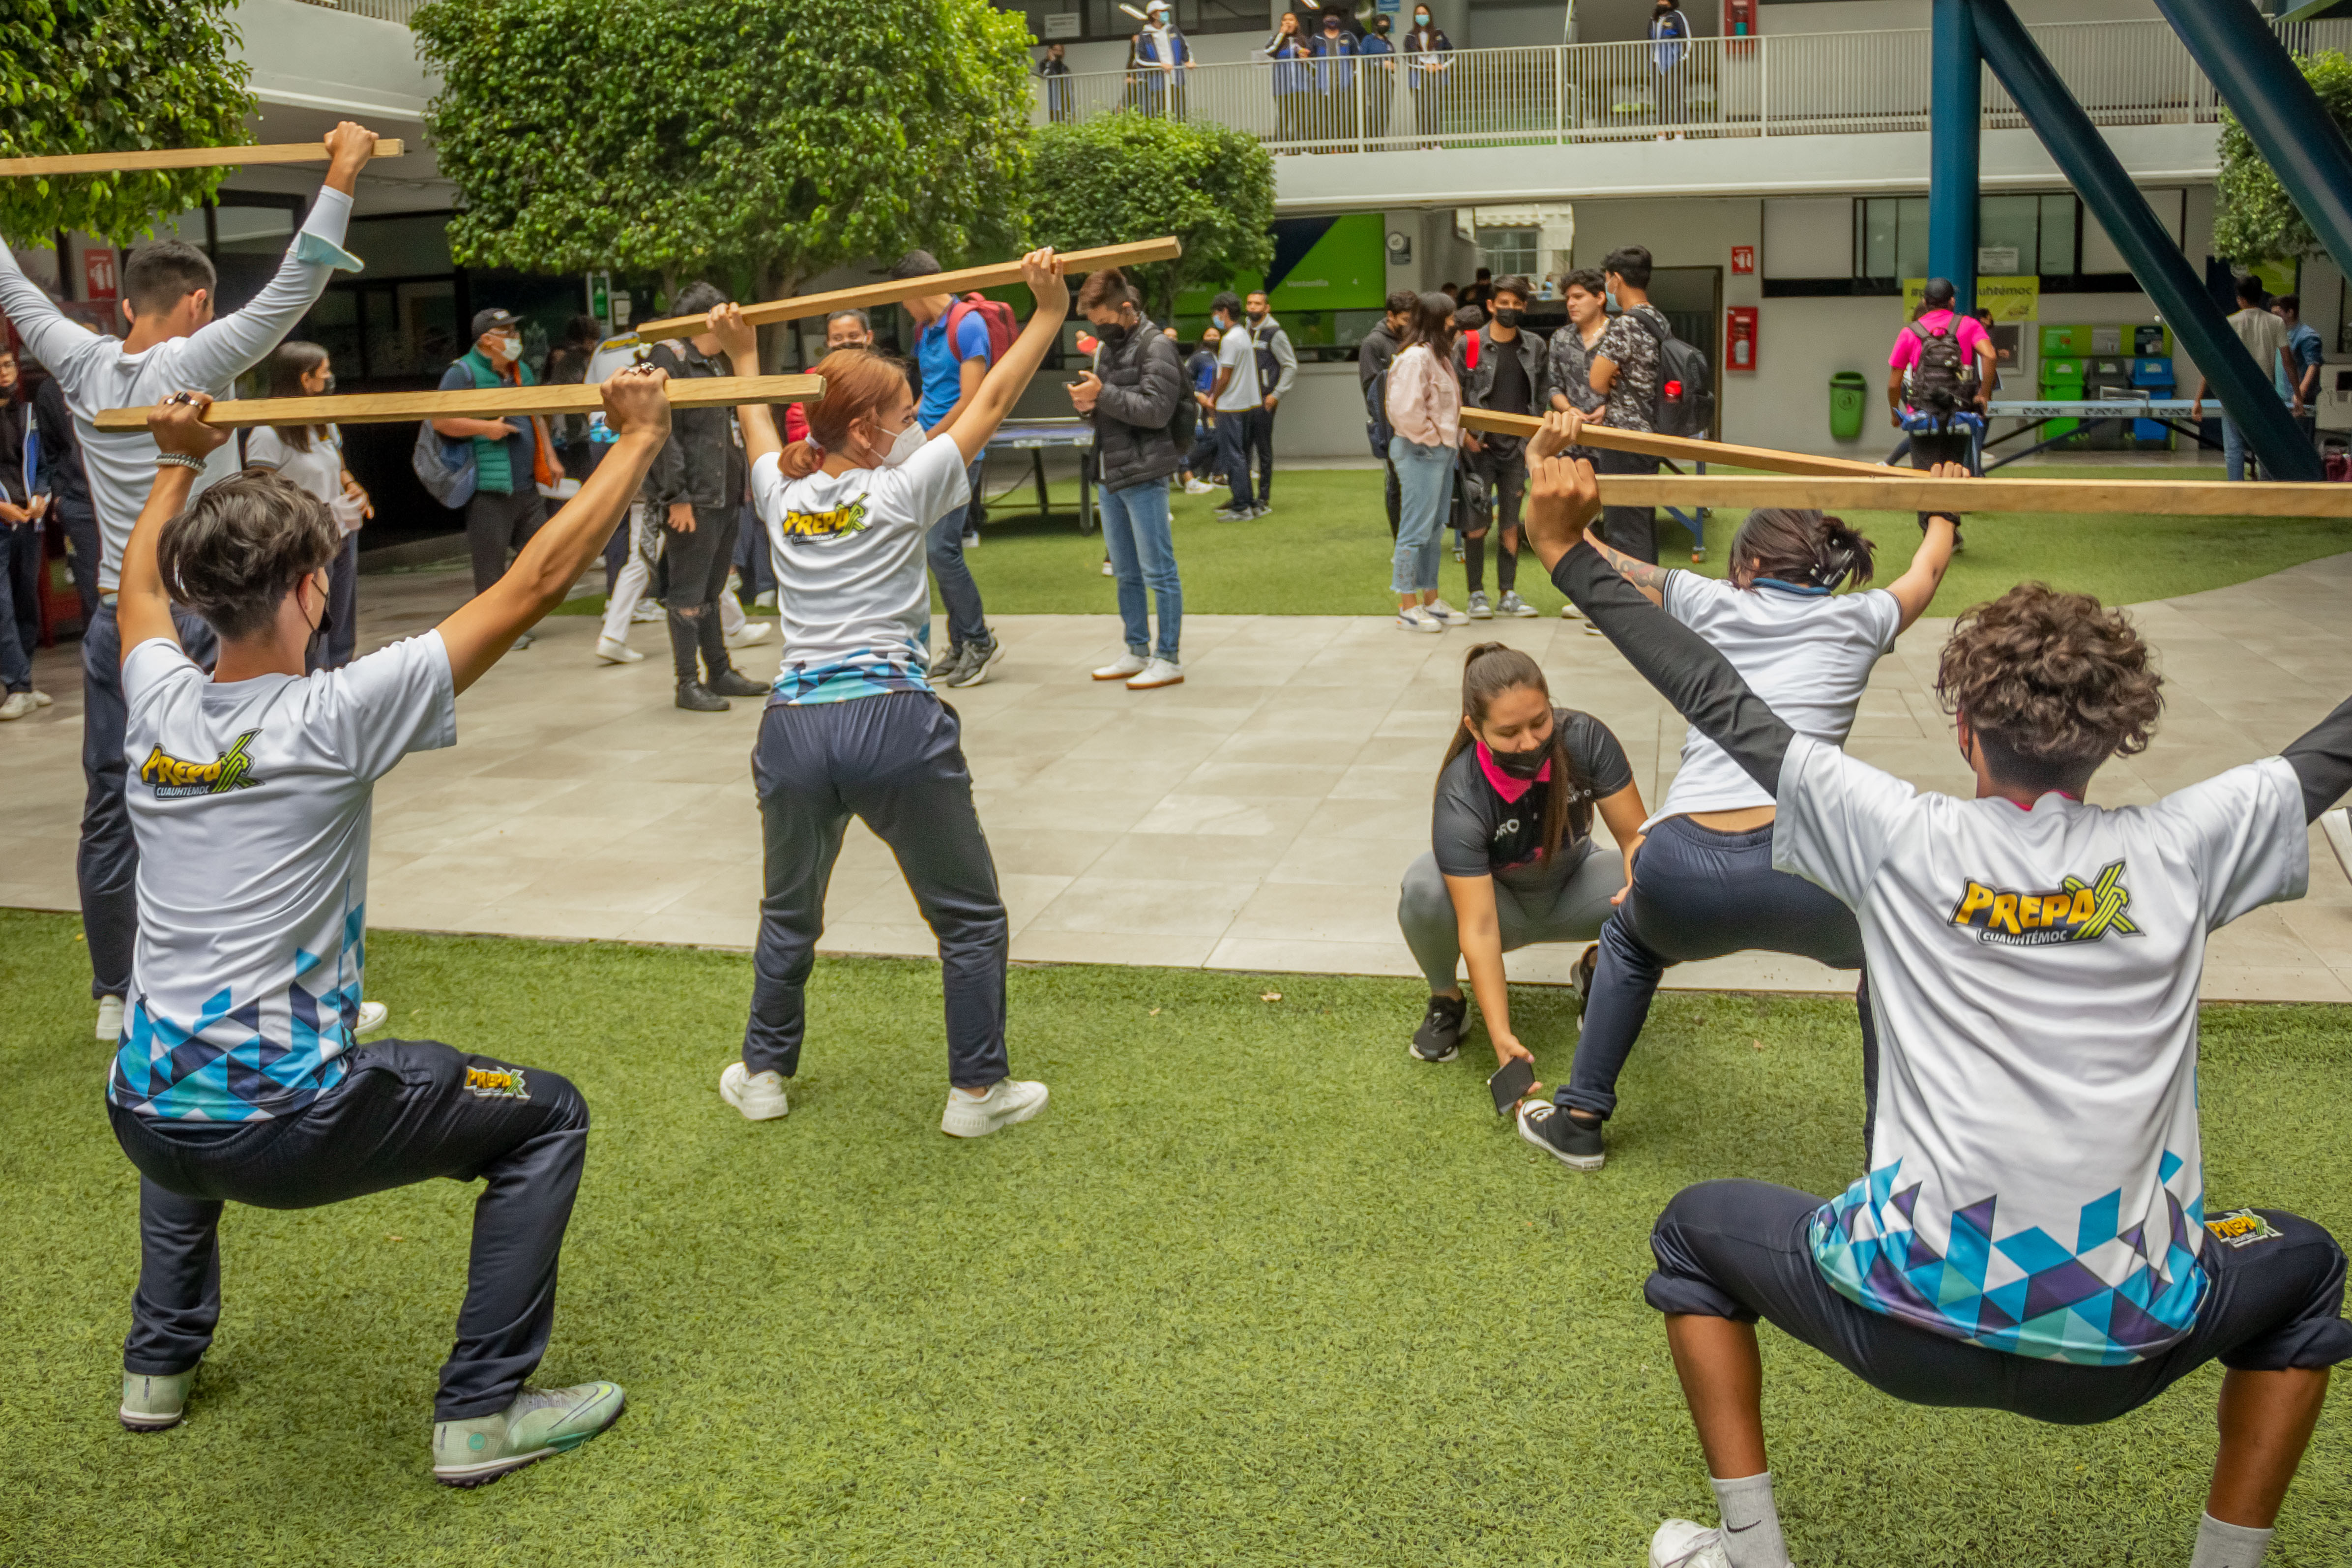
column 1941, row 379
column 1377, row 428
column 994, row 314
column 1685, row 405
column 444, row 468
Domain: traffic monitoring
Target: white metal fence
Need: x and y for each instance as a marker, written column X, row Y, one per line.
column 2123, row 73
column 398, row 11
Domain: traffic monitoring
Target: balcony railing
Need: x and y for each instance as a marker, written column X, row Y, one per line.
column 398, row 11
column 1802, row 84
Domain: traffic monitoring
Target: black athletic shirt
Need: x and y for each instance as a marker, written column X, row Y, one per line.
column 1511, row 394
column 1478, row 833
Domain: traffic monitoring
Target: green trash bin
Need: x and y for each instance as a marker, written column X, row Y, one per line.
column 1849, row 396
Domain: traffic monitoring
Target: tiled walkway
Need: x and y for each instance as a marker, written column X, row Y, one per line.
column 1256, row 818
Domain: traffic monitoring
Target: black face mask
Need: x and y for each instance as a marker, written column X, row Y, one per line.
column 1113, row 333
column 1256, row 316
column 314, row 655
column 1522, row 764
column 1506, row 317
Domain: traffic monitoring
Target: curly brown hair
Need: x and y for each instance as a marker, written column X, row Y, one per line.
column 2053, row 684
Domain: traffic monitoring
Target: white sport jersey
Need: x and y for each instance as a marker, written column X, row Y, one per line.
column 250, row 800
column 2035, row 1182
column 94, row 374
column 1808, row 654
column 850, row 588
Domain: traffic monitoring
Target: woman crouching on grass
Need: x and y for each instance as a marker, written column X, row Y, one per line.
column 1512, row 859
column 853, row 728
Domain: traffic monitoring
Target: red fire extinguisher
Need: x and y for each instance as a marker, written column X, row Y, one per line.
column 1739, row 337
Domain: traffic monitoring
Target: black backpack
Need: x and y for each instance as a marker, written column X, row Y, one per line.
column 1685, row 405
column 1377, row 429
column 1942, row 379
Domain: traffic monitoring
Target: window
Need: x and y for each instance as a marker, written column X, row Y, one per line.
column 2017, row 236
column 1890, row 237
column 1510, row 250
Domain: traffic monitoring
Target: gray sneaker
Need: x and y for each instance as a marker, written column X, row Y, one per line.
column 1514, row 605
column 152, row 1401
column 1480, row 609
column 977, row 656
column 948, row 665
column 538, row 1423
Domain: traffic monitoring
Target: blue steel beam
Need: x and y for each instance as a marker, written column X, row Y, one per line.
column 2297, row 138
column 2091, row 168
column 1955, row 112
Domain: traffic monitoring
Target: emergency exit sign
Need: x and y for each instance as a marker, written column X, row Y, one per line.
column 1743, row 259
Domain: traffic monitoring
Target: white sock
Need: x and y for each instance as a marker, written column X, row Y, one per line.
column 1751, row 1524
column 2222, row 1545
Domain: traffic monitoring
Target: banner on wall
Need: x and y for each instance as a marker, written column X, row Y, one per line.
column 2011, row 300
column 1321, row 265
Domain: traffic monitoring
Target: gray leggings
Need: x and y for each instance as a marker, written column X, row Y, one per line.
column 1567, row 908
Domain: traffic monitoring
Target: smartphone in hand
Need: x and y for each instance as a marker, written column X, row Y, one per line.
column 1510, row 1083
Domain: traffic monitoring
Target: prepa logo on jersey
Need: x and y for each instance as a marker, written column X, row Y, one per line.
column 174, row 779
column 2075, row 910
column 829, row 524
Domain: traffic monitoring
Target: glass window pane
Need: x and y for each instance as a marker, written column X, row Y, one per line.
column 1911, row 238
column 250, row 240
column 414, row 245
column 2060, row 214
column 333, row 324
column 1877, row 238
column 2012, row 223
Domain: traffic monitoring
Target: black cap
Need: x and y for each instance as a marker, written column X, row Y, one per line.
column 1938, row 292
column 490, row 320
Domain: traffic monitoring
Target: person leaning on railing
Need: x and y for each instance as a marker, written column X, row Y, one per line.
column 1380, row 79
column 1425, row 48
column 1286, row 50
column 1335, row 84
column 1055, row 71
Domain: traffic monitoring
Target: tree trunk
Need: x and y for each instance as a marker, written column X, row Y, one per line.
column 776, row 283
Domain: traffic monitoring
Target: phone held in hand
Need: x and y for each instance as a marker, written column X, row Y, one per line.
column 1510, row 1083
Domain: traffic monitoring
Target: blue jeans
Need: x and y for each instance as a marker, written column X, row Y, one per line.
column 21, row 563
column 2233, row 448
column 1425, row 480
column 1135, row 531
column 1233, row 452
column 944, row 547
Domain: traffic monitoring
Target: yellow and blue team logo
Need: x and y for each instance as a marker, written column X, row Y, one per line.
column 496, row 1083
column 174, row 779
column 835, row 523
column 2075, row 910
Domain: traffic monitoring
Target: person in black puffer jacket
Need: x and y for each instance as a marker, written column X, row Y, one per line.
column 1133, row 396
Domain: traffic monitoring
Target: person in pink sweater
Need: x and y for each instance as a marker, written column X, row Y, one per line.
column 1424, row 407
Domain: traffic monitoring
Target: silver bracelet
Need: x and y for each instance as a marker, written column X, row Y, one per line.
column 179, row 460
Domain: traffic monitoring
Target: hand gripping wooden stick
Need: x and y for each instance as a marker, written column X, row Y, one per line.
column 995, row 275
column 496, row 402
column 1680, row 448
column 1907, row 491
column 184, row 158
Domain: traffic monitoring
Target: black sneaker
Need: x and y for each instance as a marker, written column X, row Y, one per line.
column 732, row 682
column 1579, row 979
column 697, row 698
column 1439, row 1038
column 1561, row 1136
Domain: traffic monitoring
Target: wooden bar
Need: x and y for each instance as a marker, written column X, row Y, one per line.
column 496, row 403
column 865, row 296
column 129, row 163
column 1904, row 490
column 1680, row 448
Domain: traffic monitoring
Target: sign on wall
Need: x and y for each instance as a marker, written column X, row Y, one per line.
column 98, row 274
column 2011, row 300
column 1743, row 260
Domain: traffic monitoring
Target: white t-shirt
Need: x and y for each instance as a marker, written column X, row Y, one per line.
column 1237, row 354
column 1808, row 655
column 2035, row 1182
column 319, row 470
column 250, row 802
column 850, row 588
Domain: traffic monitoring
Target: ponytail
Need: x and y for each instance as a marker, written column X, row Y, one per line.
column 859, row 384
column 1489, row 669
column 1800, row 546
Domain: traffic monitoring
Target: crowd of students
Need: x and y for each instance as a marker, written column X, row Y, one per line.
column 2031, row 1234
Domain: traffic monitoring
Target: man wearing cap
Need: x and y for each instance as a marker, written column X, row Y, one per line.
column 1160, row 56
column 513, row 457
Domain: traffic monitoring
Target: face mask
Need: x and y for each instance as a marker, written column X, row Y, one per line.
column 329, row 386
column 1522, row 764
column 509, row 349
column 1256, row 316
column 905, row 444
column 1505, row 316
column 1113, row 333
column 1420, row 18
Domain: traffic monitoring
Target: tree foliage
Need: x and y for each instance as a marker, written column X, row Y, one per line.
column 2254, row 219
column 1129, row 177
column 113, row 76
column 753, row 142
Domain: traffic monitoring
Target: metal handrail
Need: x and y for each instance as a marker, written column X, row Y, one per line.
column 399, row 11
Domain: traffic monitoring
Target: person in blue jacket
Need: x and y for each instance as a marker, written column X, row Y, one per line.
column 1380, row 78
column 1335, row 83
column 1426, row 70
column 1293, row 80
column 1160, row 56
column 1669, row 47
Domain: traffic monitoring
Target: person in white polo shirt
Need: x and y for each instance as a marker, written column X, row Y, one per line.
column 2031, row 1233
column 239, row 1078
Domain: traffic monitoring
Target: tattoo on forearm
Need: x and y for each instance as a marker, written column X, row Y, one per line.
column 1640, row 573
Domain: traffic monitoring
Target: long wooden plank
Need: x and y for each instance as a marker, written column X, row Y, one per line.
column 1679, row 448
column 1903, row 490
column 184, row 158
column 496, row 403
column 865, row 296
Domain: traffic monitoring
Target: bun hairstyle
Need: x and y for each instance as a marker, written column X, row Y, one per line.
column 859, row 384
column 1108, row 286
column 239, row 549
column 1488, row 671
column 1792, row 544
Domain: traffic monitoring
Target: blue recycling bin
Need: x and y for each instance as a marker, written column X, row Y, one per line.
column 2154, row 377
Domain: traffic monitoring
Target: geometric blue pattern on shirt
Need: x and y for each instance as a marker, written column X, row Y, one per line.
column 226, row 1064
column 845, row 680
column 2059, row 1310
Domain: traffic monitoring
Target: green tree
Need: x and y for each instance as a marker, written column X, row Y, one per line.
column 2254, row 219
column 1130, row 176
column 114, row 76
column 756, row 142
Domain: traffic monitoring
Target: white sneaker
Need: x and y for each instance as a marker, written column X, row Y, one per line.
column 1158, row 672
column 1197, row 487
column 972, row 541
column 1447, row 616
column 759, row 1096
column 1480, row 610
column 1679, row 1544
column 613, row 650
column 766, row 600
column 110, row 1020
column 1571, row 613
column 1419, row 619
column 372, row 1017
column 19, row 704
column 1008, row 1101
column 42, row 698
column 1107, row 568
column 749, row 632
column 1515, row 606
column 1126, row 665
column 646, row 612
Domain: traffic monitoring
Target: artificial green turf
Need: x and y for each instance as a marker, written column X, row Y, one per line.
column 1325, row 550
column 1257, row 1288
